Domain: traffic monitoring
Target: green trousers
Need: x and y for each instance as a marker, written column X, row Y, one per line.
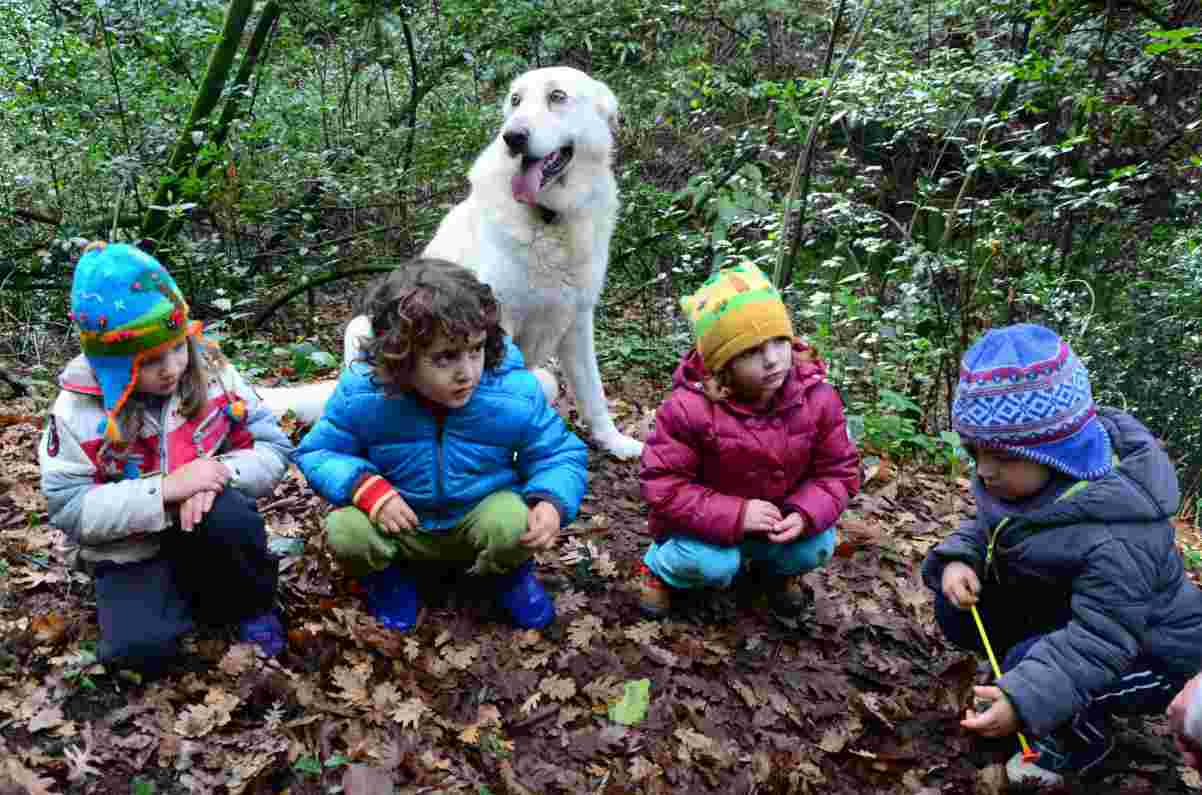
column 487, row 538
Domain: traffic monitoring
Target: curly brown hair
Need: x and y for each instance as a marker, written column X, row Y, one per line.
column 418, row 301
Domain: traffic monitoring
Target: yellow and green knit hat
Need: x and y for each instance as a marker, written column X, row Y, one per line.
column 737, row 308
column 128, row 309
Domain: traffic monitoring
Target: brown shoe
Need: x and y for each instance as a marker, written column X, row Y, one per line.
column 787, row 596
column 655, row 595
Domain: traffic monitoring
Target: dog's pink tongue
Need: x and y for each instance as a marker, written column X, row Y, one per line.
column 526, row 184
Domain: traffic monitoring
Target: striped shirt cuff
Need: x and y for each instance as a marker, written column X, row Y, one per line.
column 372, row 494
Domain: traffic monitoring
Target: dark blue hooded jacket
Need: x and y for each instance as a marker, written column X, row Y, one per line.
column 1104, row 565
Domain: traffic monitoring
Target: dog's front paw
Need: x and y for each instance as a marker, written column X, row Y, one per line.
column 619, row 445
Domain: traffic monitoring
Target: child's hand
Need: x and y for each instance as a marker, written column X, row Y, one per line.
column 542, row 527
column 997, row 721
column 788, row 529
column 960, row 584
column 760, row 517
column 192, row 510
column 201, row 474
column 1190, row 747
column 396, row 517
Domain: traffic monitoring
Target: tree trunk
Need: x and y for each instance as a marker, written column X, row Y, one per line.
column 158, row 220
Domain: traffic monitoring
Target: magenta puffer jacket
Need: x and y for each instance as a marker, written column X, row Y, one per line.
column 707, row 458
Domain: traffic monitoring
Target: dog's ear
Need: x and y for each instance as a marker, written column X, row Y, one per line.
column 607, row 106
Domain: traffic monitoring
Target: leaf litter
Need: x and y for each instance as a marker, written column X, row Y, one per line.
column 859, row 695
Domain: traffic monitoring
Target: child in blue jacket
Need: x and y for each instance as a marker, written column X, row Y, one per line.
column 440, row 446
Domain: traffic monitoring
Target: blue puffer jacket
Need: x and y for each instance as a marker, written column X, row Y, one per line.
column 1103, row 566
column 506, row 437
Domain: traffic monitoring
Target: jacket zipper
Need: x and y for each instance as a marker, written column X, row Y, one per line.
column 1070, row 491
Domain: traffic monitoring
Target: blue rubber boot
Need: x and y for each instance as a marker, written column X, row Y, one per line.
column 391, row 598
column 264, row 630
column 523, row 597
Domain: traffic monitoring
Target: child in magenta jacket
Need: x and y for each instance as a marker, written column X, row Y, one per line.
column 750, row 458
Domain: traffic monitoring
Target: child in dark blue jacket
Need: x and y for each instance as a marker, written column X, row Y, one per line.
column 1071, row 561
column 440, row 446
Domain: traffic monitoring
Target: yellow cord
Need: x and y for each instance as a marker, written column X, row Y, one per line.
column 1028, row 754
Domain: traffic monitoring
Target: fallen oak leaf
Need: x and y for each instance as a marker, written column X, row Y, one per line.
column 80, row 758
column 409, row 712
column 26, row 778
column 560, row 688
column 581, row 631
column 531, row 703
column 643, row 632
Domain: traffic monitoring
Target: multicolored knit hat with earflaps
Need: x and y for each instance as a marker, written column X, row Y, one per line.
column 735, row 309
column 128, row 309
column 1023, row 391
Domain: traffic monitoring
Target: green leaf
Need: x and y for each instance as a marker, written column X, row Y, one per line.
column 141, row 786
column 632, row 707
column 308, row 764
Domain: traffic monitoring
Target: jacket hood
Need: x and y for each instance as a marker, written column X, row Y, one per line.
column 808, row 370
column 79, row 377
column 1141, row 487
column 512, row 360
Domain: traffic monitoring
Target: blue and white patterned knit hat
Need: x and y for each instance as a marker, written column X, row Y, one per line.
column 1022, row 390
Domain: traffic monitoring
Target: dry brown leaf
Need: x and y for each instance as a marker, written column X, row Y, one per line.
column 582, row 630
column 26, row 778
column 48, row 628
column 352, row 682
column 604, row 565
column 240, row 658
column 641, row 769
column 604, row 689
column 461, row 658
column 833, row 740
column 34, row 578
column 385, row 695
column 535, row 660
column 570, row 601
column 531, row 703
column 991, row 780
column 432, row 761
column 409, row 712
column 661, row 655
column 529, row 637
column 80, row 758
column 560, row 688
column 744, row 690
column 643, row 632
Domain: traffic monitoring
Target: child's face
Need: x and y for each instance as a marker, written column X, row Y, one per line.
column 756, row 373
column 1009, row 477
column 449, row 371
column 160, row 375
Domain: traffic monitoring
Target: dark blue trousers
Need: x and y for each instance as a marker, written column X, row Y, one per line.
column 219, row 573
column 1145, row 688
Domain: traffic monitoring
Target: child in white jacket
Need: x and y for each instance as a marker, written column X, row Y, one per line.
column 151, row 459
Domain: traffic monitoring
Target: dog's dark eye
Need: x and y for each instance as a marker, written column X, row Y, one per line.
column 515, row 100
column 558, row 96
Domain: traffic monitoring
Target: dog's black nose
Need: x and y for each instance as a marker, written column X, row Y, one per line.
column 516, row 141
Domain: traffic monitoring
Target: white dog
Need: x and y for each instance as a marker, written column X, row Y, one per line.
column 536, row 227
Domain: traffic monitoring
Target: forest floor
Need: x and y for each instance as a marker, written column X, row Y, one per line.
column 859, row 695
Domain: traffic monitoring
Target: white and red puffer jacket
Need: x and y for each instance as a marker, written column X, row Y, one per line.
column 110, row 516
